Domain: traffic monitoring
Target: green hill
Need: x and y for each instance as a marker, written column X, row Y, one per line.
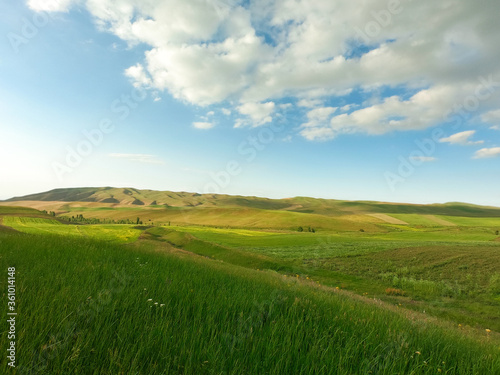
column 123, row 197
column 114, row 205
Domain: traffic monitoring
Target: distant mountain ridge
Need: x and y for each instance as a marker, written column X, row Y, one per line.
column 119, row 197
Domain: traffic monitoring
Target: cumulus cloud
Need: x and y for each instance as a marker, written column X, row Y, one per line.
column 258, row 113
column 487, row 153
column 207, row 52
column 203, row 125
column 140, row 158
column 462, row 138
column 321, row 114
column 425, row 108
column 315, row 127
column 138, row 75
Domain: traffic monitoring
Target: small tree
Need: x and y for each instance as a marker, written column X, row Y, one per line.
column 300, row 229
column 137, row 221
column 497, row 233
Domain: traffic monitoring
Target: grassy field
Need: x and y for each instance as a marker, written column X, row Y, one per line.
column 204, row 294
column 108, row 232
column 430, row 220
column 87, row 306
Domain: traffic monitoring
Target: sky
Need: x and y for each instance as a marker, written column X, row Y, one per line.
column 393, row 100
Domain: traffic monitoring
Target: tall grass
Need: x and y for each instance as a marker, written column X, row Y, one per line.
column 91, row 307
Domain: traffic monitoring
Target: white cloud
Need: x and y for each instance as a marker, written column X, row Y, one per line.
column 285, row 106
column 495, row 127
column 317, row 128
column 50, row 5
column 309, row 103
column 226, row 111
column 141, row 158
column 487, row 153
column 259, row 113
column 423, row 159
column 203, row 125
column 207, row 52
column 318, row 133
column 426, row 107
column 492, row 117
column 461, row 138
column 239, row 123
column 321, row 114
column 138, row 75
column 346, row 107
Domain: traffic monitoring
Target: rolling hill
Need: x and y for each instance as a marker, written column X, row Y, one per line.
column 110, row 203
column 122, row 197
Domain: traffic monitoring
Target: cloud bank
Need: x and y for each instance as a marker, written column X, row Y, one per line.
column 391, row 66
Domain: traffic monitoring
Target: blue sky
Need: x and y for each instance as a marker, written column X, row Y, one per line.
column 270, row 98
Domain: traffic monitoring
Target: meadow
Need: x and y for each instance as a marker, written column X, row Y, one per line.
column 108, row 232
column 87, row 306
column 274, row 292
column 458, row 280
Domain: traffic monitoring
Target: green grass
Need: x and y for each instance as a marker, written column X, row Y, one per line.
column 217, row 311
column 234, row 217
column 449, row 272
column 83, row 308
column 10, row 210
column 108, row 232
column 424, row 220
column 300, row 245
column 416, row 219
column 475, row 221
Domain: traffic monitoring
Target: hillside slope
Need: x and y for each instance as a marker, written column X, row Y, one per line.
column 130, row 197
